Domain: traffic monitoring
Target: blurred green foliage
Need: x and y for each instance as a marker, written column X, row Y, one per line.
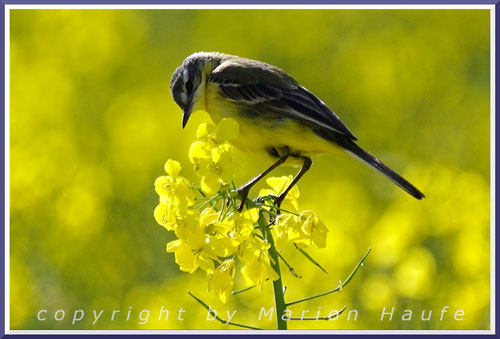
column 92, row 124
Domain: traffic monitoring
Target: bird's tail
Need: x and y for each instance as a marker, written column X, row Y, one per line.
column 384, row 169
column 349, row 145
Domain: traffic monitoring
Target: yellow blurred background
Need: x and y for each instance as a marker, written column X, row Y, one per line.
column 92, row 123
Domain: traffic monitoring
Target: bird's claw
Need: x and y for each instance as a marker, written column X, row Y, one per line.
column 243, row 192
column 278, row 200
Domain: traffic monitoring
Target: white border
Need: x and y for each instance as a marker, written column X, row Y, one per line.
column 482, row 6
column 492, row 174
column 7, row 170
column 252, row 332
column 245, row 332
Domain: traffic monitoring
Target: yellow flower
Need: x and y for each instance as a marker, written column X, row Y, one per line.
column 189, row 230
column 175, row 194
column 210, row 236
column 254, row 252
column 244, row 223
column 223, row 246
column 278, row 186
column 165, row 216
column 205, row 130
column 221, row 281
column 314, row 228
column 306, row 229
column 212, row 155
column 217, row 231
column 226, row 129
column 208, row 220
column 190, row 259
column 184, row 257
column 252, row 249
column 173, row 168
column 280, row 230
column 217, row 169
column 173, row 184
column 192, row 249
column 257, row 272
column 200, row 150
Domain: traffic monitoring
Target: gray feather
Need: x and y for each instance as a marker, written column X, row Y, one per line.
column 269, row 89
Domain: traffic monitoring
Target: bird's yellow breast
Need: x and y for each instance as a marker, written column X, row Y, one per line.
column 258, row 135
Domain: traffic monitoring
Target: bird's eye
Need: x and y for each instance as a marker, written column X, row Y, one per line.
column 189, row 86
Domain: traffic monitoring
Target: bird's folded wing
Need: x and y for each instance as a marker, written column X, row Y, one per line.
column 264, row 88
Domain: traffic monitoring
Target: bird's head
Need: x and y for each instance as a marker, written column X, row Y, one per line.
column 189, row 79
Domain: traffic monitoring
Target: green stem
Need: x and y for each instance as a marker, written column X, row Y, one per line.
column 290, row 268
column 304, row 253
column 219, row 319
column 243, row 290
column 279, row 298
column 338, row 288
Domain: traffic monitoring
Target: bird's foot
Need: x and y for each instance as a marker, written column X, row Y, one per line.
column 243, row 192
column 278, row 200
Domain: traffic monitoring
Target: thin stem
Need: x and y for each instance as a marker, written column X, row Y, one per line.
column 321, row 318
column 214, row 314
column 279, row 298
column 338, row 288
column 225, row 212
column 197, row 188
column 207, row 202
column 223, row 206
column 243, row 290
column 290, row 268
column 309, row 258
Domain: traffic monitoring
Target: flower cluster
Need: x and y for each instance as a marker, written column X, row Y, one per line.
column 212, row 154
column 212, row 234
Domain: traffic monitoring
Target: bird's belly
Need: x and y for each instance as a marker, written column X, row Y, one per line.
column 261, row 136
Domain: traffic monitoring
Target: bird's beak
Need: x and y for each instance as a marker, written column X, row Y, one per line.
column 186, row 113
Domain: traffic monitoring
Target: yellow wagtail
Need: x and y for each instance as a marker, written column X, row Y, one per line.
column 278, row 117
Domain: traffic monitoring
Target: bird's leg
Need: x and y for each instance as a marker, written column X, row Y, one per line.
column 305, row 167
column 245, row 189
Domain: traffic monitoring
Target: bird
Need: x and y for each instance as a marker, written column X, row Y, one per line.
column 279, row 118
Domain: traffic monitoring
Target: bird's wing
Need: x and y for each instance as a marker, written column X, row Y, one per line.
column 269, row 89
